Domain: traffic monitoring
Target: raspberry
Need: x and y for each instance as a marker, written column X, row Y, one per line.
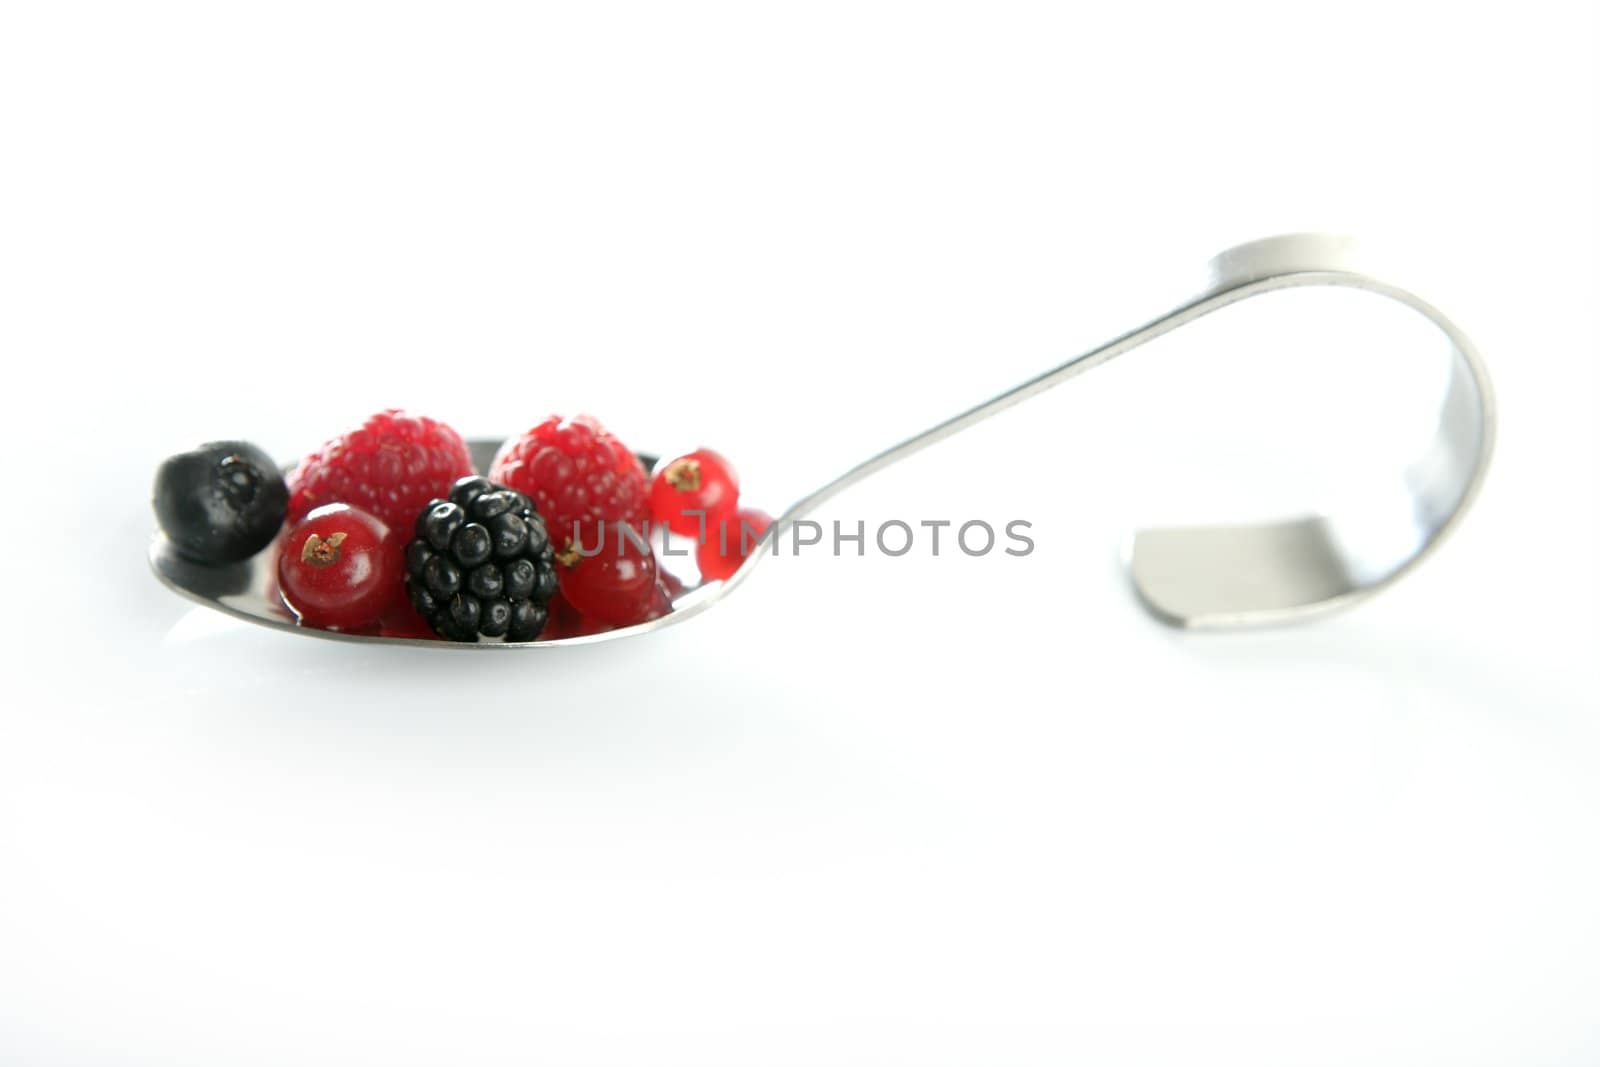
column 390, row 466
column 578, row 476
column 481, row 563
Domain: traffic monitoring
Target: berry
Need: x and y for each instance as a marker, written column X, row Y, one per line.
column 481, row 564
column 564, row 620
column 730, row 543
column 402, row 620
column 693, row 493
column 338, row 569
column 617, row 586
column 578, row 476
column 390, row 466
column 222, row 502
column 671, row 584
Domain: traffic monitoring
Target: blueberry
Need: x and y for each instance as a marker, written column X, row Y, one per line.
column 221, row 503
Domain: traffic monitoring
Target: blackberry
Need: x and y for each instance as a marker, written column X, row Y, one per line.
column 481, row 564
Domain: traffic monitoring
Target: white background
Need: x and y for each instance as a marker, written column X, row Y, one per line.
column 916, row 811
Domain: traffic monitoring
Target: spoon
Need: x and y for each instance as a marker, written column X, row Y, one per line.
column 1196, row 576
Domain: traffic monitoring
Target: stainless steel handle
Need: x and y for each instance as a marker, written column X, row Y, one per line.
column 1263, row 573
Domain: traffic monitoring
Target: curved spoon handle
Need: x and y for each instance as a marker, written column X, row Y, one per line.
column 1260, row 573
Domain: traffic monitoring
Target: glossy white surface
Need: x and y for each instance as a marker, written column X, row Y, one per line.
column 921, row 811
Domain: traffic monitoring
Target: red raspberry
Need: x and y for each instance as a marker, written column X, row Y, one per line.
column 578, row 476
column 390, row 466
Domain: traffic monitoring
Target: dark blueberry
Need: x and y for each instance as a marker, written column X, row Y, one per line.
column 222, row 502
column 441, row 577
column 510, row 535
column 527, row 619
column 486, row 506
column 485, row 582
column 495, row 619
column 440, row 523
column 471, row 545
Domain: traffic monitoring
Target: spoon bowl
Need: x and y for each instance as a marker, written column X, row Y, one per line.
column 248, row 590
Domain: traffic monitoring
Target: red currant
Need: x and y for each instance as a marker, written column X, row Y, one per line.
column 618, row 586
column 730, row 542
column 339, row 569
column 671, row 584
column 703, row 484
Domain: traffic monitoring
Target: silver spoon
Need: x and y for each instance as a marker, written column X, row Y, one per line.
column 1199, row 576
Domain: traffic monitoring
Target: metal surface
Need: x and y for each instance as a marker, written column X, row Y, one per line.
column 1234, row 575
